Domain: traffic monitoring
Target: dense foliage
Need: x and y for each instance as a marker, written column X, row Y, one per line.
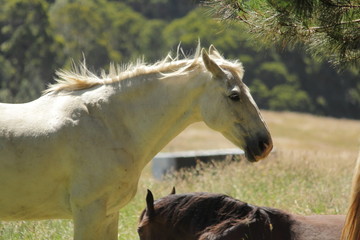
column 37, row 37
column 328, row 28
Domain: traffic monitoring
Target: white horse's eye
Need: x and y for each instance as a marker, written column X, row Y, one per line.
column 235, row 96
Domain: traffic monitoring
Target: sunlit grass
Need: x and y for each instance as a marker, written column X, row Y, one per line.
column 309, row 173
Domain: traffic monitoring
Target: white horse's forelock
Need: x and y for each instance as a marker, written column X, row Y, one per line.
column 80, row 77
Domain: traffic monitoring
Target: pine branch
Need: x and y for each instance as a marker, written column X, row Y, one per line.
column 328, row 28
column 333, row 25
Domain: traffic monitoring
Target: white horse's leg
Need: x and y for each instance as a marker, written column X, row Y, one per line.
column 92, row 223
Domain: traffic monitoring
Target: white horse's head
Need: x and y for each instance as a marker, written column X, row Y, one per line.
column 228, row 107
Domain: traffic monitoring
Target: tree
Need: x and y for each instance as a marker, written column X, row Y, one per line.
column 197, row 24
column 328, row 28
column 81, row 28
column 28, row 52
column 161, row 9
column 104, row 31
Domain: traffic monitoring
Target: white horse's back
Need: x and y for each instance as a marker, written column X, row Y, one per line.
column 39, row 117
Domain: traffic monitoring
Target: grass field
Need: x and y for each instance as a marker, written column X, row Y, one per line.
column 309, row 173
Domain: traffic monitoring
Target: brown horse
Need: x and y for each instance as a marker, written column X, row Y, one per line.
column 207, row 216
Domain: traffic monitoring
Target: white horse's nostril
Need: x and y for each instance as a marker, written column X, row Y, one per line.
column 264, row 148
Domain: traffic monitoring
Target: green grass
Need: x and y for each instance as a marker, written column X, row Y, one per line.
column 309, row 173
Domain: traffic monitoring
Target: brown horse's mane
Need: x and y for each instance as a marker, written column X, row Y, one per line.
column 207, row 213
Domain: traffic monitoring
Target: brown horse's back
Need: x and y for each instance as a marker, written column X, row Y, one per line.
column 318, row 227
column 260, row 224
column 204, row 216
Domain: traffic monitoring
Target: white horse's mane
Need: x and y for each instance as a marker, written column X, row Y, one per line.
column 80, row 77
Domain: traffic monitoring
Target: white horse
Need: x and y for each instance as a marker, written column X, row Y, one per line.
column 78, row 151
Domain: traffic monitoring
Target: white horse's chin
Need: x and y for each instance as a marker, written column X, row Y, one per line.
column 250, row 157
column 239, row 142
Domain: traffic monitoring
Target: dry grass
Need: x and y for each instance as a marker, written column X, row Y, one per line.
column 309, row 173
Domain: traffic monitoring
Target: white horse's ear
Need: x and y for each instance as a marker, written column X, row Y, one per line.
column 214, row 52
column 211, row 66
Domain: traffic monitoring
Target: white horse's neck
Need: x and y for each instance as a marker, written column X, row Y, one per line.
column 153, row 110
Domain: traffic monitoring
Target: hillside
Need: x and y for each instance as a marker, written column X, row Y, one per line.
column 290, row 131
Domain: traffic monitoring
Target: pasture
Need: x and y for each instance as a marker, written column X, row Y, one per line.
column 309, row 173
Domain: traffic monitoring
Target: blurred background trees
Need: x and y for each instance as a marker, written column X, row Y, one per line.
column 37, row 37
column 28, row 49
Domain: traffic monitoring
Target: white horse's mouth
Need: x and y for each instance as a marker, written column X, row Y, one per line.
column 256, row 150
